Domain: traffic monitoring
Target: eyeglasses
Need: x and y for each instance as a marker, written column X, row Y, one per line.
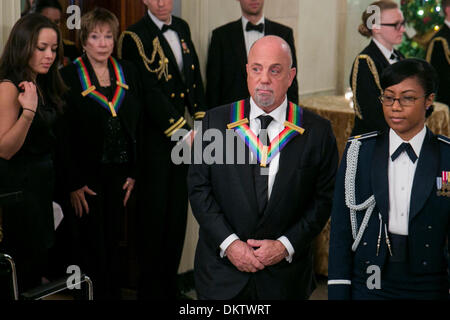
column 397, row 25
column 404, row 101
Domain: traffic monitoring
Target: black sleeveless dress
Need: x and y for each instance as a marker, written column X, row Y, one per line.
column 29, row 225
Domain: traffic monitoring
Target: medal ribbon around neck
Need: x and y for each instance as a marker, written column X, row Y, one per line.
column 90, row 90
column 265, row 154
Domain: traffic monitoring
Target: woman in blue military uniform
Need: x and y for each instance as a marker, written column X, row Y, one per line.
column 390, row 217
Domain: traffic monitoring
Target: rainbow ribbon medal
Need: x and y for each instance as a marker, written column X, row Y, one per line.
column 265, row 154
column 90, row 90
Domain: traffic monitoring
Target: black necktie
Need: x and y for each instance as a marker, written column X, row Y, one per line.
column 261, row 180
column 167, row 27
column 409, row 150
column 256, row 27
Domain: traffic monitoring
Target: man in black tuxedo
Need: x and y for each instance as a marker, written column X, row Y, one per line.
column 439, row 55
column 258, row 219
column 228, row 51
column 160, row 45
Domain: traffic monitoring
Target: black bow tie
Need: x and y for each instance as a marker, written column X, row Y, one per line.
column 256, row 27
column 409, row 150
column 394, row 56
column 167, row 27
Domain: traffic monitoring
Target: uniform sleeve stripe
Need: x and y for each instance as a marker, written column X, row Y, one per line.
column 176, row 129
column 173, row 126
column 199, row 115
column 339, row 282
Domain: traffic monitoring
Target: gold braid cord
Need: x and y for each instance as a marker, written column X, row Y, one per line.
column 373, row 70
column 444, row 44
column 163, row 69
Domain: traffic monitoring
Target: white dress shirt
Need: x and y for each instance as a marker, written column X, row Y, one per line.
column 447, row 22
column 251, row 36
column 273, row 130
column 173, row 40
column 401, row 175
column 386, row 52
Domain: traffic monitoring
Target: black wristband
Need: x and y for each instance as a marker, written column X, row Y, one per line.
column 29, row 109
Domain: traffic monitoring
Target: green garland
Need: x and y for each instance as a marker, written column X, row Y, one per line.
column 423, row 16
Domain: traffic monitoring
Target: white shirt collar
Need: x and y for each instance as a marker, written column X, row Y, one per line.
column 278, row 115
column 416, row 143
column 386, row 52
column 447, row 22
column 158, row 22
column 245, row 20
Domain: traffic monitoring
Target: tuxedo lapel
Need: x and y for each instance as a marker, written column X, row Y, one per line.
column 425, row 175
column 286, row 169
column 268, row 28
column 288, row 162
column 379, row 175
column 238, row 43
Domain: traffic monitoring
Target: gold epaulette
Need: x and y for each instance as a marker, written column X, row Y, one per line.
column 444, row 44
column 364, row 136
column 199, row 115
column 373, row 70
column 173, row 128
column 162, row 69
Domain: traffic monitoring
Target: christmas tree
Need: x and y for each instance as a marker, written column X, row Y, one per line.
column 423, row 18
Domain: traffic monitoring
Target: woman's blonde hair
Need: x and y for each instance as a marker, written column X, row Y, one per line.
column 363, row 28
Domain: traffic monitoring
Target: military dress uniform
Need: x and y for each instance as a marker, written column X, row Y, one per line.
column 412, row 266
column 162, row 193
column 438, row 55
column 365, row 83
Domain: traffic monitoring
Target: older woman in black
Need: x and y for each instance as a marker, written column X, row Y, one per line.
column 102, row 117
column 30, row 89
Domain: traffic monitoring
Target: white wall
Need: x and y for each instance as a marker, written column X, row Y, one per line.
column 315, row 32
column 9, row 14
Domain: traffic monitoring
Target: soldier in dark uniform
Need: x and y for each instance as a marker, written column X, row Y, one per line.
column 161, row 47
column 369, row 64
column 439, row 55
column 391, row 208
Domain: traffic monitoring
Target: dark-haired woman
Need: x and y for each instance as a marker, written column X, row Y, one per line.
column 52, row 9
column 30, row 89
column 103, row 112
column 391, row 213
column 370, row 63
